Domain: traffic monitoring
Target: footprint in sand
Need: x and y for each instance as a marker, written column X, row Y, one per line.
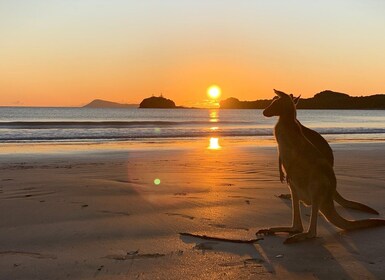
column 228, row 227
column 181, row 215
column 115, row 213
column 132, row 256
column 28, row 254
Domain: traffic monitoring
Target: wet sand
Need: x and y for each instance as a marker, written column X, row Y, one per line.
column 98, row 214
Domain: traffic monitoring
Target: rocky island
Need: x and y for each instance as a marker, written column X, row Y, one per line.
column 157, row 102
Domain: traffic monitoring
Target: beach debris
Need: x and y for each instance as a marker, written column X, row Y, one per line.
column 84, row 205
column 284, row 196
column 279, row 256
column 247, row 201
column 249, row 241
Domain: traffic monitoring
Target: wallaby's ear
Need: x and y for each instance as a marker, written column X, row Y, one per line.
column 280, row 93
column 296, row 100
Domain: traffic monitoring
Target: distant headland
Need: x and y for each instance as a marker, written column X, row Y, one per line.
column 98, row 103
column 324, row 100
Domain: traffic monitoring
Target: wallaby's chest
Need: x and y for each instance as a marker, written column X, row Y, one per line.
column 290, row 148
column 293, row 149
column 289, row 144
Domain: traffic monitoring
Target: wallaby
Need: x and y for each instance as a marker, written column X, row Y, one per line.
column 323, row 146
column 311, row 177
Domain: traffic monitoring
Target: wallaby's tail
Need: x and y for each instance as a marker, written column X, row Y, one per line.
column 353, row 204
column 332, row 215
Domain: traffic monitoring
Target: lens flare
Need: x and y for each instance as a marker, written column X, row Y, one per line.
column 157, row 181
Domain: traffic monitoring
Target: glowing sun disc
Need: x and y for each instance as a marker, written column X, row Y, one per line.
column 214, row 92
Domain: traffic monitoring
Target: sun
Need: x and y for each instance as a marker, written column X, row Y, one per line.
column 214, row 91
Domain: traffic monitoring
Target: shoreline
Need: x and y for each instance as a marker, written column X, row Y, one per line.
column 160, row 143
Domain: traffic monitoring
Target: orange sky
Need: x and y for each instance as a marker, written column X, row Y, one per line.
column 67, row 53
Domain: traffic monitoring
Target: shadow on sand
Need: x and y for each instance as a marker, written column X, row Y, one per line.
column 248, row 251
column 340, row 255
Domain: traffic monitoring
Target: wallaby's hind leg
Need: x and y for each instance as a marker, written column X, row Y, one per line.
column 297, row 222
column 312, row 231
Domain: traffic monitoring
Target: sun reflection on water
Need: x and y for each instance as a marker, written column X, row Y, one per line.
column 213, row 115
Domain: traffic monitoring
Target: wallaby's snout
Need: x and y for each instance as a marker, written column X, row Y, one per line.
column 268, row 112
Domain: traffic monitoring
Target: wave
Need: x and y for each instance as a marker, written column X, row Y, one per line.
column 107, row 124
column 102, row 135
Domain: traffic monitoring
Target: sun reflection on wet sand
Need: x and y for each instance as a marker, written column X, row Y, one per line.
column 214, row 144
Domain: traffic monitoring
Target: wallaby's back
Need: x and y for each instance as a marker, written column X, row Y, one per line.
column 323, row 146
column 319, row 142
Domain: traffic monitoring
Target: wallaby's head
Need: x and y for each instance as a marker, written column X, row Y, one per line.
column 282, row 105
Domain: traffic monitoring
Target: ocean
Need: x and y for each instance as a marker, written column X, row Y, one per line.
column 39, row 125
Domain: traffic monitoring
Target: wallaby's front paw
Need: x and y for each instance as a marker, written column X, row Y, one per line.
column 265, row 231
column 299, row 237
column 282, row 177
